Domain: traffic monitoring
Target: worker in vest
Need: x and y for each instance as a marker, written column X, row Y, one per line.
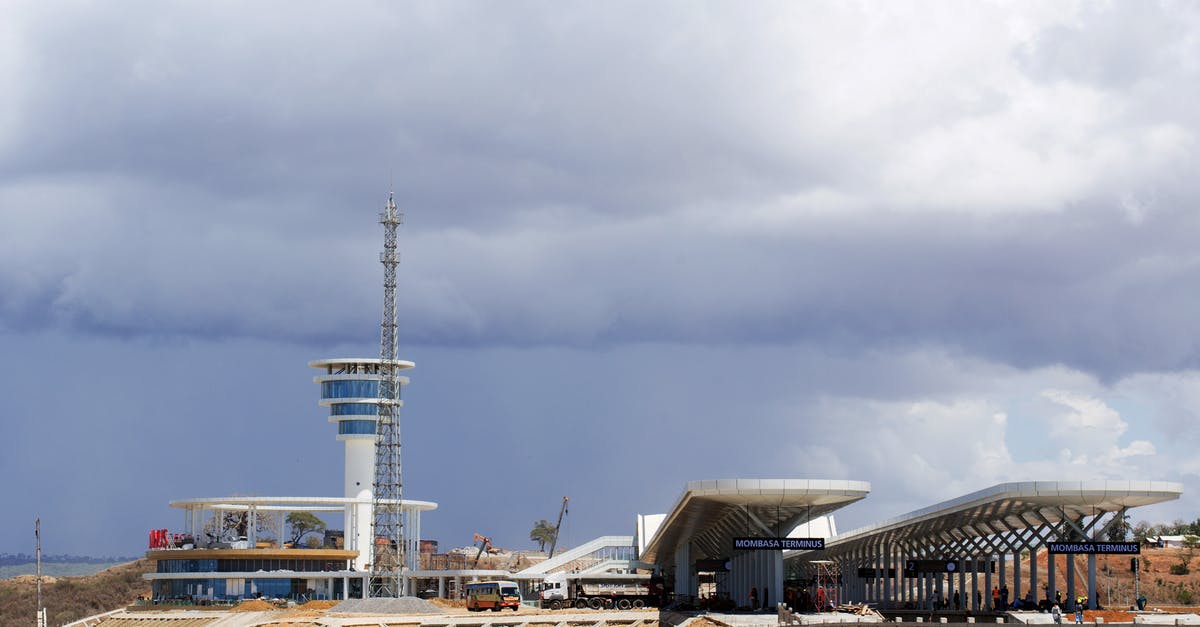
column 995, row 599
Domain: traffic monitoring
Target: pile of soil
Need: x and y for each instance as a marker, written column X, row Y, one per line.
column 449, row 604
column 319, row 605
column 255, row 605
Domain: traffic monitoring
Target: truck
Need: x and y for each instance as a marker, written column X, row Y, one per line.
column 600, row 591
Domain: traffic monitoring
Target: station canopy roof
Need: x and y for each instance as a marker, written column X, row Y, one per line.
column 709, row 514
column 1005, row 508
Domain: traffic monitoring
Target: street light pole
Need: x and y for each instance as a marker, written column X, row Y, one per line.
column 37, row 532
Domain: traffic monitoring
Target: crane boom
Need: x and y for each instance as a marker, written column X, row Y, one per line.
column 485, row 543
column 557, row 525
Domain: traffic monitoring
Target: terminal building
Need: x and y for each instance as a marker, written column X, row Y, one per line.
column 743, row 542
column 718, row 540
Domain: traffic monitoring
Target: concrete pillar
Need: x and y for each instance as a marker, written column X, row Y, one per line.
column 776, row 566
column 889, row 584
column 345, row 588
column 252, row 527
column 964, row 600
column 1091, row 583
column 1033, row 574
column 683, row 570
column 1070, row 601
column 987, row 581
column 1017, row 575
column 975, row 607
column 1004, row 577
column 1051, row 579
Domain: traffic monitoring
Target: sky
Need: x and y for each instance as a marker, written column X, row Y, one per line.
column 931, row 246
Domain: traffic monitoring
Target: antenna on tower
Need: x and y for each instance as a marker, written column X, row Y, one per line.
column 386, row 510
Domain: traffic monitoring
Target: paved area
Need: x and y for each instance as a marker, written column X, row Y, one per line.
column 1167, row 619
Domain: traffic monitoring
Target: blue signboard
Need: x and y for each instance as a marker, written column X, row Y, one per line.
column 1103, row 548
column 778, row 544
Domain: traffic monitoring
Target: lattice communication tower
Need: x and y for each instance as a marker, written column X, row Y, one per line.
column 387, row 526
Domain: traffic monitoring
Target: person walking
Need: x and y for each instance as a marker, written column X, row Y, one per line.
column 1056, row 614
column 1078, row 613
column 995, row 599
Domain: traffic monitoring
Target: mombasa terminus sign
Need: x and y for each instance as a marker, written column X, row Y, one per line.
column 1103, row 548
column 778, row 544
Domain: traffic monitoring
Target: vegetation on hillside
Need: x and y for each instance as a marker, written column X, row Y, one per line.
column 72, row 598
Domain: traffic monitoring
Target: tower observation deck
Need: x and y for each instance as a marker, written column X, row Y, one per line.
column 350, row 389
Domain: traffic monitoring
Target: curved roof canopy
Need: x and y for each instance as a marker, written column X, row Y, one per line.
column 1006, row 508
column 709, row 514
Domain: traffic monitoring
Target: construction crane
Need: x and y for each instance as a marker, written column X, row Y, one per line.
column 557, row 525
column 485, row 544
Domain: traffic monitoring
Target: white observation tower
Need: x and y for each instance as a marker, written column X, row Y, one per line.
column 350, row 389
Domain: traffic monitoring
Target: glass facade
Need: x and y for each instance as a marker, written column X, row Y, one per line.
column 356, row 427
column 248, row 565
column 230, row 589
column 350, row 389
column 354, row 409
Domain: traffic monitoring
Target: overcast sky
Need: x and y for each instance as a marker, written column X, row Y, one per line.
column 932, row 246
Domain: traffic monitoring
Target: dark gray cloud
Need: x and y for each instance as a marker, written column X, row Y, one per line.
column 665, row 215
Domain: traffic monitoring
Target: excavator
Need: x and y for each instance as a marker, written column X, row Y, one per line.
column 485, row 544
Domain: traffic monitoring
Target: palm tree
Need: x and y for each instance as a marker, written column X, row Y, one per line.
column 543, row 533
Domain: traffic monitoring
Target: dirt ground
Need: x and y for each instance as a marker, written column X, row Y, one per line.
column 1109, row 616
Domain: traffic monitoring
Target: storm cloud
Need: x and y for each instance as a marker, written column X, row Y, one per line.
column 977, row 221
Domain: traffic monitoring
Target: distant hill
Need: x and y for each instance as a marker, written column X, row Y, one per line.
column 7, row 559
column 58, row 569
column 69, row 599
column 14, row 565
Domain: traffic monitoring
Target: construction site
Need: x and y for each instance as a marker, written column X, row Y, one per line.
column 740, row 552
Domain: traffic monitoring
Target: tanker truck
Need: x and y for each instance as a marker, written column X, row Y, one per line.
column 600, row 591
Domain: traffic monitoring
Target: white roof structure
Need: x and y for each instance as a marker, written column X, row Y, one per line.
column 709, row 514
column 289, row 503
column 1008, row 508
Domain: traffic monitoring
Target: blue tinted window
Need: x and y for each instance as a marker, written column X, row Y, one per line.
column 350, row 389
column 356, row 427
column 354, row 409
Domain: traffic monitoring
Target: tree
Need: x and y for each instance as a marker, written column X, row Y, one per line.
column 302, row 524
column 1141, row 531
column 1120, row 529
column 543, row 533
column 230, row 526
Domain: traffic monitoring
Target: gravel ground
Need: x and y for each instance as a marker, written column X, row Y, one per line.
column 403, row 605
